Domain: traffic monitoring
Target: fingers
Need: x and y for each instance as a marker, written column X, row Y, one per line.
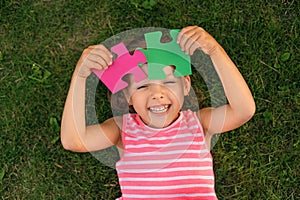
column 100, row 56
column 100, row 61
column 193, row 37
column 107, row 54
column 189, row 38
column 192, row 44
column 94, row 57
column 183, row 32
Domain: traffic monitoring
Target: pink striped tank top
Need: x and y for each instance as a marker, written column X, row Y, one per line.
column 170, row 163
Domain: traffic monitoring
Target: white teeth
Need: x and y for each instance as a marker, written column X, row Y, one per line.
column 159, row 109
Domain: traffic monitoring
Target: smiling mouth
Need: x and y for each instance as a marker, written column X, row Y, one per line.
column 159, row 109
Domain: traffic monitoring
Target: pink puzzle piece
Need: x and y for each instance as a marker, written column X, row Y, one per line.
column 124, row 64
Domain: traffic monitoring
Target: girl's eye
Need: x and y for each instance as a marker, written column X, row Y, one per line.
column 141, row 87
column 169, row 82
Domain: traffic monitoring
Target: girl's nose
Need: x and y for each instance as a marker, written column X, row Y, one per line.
column 157, row 92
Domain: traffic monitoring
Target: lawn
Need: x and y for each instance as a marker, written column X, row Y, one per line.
column 41, row 41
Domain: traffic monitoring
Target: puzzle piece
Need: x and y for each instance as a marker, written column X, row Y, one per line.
column 124, row 64
column 160, row 55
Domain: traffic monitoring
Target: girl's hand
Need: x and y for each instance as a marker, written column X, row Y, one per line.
column 94, row 57
column 192, row 38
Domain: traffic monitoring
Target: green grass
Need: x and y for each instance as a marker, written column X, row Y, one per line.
column 41, row 41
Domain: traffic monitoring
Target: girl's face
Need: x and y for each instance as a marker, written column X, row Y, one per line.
column 158, row 102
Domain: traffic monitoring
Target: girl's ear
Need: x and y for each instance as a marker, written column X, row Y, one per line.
column 187, row 85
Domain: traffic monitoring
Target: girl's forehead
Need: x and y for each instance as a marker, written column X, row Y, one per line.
column 168, row 70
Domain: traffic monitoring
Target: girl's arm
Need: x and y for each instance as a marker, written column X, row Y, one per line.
column 241, row 106
column 75, row 135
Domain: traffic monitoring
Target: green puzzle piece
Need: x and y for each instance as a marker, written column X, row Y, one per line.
column 160, row 55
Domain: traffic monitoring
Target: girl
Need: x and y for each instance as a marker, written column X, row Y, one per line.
column 165, row 150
